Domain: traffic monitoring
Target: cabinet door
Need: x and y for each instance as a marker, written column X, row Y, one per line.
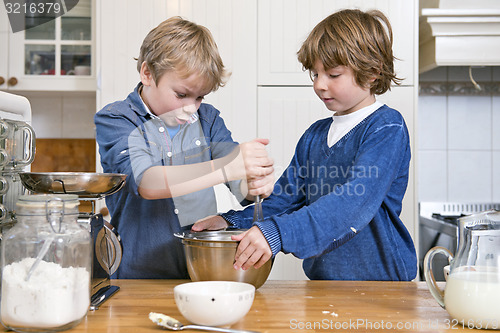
column 4, row 51
column 286, row 112
column 56, row 55
column 285, row 24
column 284, row 115
column 233, row 25
column 404, row 99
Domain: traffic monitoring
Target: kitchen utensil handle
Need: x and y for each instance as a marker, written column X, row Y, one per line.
column 4, row 212
column 436, row 292
column 214, row 329
column 4, row 185
column 257, row 212
column 4, row 157
column 101, row 296
column 29, row 145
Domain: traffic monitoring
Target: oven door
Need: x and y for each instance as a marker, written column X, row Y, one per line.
column 434, row 232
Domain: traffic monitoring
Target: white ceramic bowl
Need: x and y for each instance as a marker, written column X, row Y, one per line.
column 214, row 303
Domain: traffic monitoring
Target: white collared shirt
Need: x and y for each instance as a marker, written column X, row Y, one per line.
column 341, row 125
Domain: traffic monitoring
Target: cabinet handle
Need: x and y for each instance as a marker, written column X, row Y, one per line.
column 2, row 80
column 12, row 81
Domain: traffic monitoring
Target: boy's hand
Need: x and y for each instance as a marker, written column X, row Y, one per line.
column 213, row 222
column 252, row 161
column 253, row 249
column 262, row 186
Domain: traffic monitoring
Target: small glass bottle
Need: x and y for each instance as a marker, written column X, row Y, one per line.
column 46, row 266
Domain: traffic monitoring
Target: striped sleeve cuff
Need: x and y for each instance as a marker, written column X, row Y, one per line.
column 272, row 235
column 231, row 218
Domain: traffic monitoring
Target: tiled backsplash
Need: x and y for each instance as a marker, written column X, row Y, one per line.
column 459, row 135
column 57, row 115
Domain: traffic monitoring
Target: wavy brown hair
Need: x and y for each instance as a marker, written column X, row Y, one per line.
column 185, row 47
column 356, row 39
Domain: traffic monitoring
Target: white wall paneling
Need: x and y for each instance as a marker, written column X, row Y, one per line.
column 404, row 99
column 284, row 25
column 284, row 115
column 121, row 26
column 496, row 177
column 62, row 115
column 4, row 51
column 233, row 25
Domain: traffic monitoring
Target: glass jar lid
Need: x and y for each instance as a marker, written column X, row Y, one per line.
column 42, row 204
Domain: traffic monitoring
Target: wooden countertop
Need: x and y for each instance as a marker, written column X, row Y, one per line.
column 287, row 306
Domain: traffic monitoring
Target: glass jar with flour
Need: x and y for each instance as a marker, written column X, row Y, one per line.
column 46, row 266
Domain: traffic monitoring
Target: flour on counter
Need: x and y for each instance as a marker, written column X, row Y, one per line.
column 53, row 296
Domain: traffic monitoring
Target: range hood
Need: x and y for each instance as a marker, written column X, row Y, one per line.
column 459, row 33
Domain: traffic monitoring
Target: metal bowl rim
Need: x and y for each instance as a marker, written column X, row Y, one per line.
column 62, row 173
column 215, row 236
column 77, row 182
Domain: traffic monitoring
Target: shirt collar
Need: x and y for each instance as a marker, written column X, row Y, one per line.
column 363, row 112
column 139, row 90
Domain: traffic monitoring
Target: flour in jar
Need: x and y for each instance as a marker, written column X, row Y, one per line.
column 53, row 296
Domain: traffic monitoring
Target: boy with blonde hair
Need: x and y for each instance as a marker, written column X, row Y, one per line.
column 173, row 149
column 337, row 205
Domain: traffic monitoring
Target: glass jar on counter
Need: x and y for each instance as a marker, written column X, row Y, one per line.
column 46, row 266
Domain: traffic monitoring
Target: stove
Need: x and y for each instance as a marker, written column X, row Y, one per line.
column 438, row 226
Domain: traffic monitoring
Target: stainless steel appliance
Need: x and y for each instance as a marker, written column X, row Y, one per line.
column 89, row 187
column 17, row 152
column 438, row 226
column 106, row 258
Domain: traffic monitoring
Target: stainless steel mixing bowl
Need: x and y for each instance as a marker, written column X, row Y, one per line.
column 83, row 184
column 210, row 257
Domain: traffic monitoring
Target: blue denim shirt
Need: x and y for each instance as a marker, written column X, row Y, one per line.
column 131, row 140
column 338, row 207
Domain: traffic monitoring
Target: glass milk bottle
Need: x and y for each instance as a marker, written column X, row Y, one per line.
column 46, row 266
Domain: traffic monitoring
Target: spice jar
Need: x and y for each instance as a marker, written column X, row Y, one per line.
column 46, row 266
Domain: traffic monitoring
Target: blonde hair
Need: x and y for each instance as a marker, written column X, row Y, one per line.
column 357, row 40
column 187, row 48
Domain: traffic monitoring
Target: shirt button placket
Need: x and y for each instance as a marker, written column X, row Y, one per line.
column 161, row 129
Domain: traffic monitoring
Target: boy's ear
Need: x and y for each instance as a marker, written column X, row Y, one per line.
column 146, row 75
column 374, row 77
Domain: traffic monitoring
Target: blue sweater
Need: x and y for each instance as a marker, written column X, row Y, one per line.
column 338, row 207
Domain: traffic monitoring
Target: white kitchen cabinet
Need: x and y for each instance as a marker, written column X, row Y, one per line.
column 284, row 115
column 285, row 24
column 233, row 25
column 4, row 51
column 57, row 55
